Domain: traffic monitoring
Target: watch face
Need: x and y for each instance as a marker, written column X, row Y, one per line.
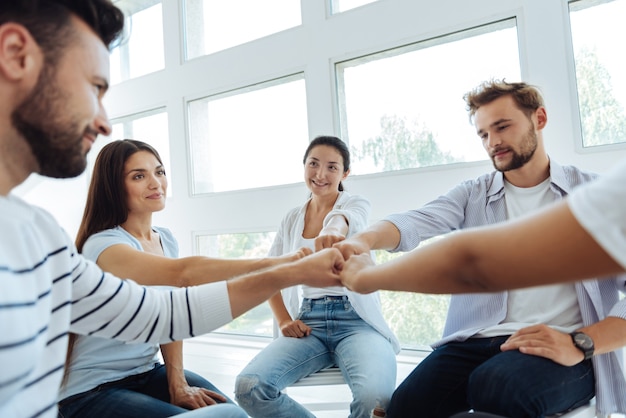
column 583, row 341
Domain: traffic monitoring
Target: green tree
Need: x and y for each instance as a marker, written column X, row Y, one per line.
column 402, row 144
column 416, row 319
column 602, row 116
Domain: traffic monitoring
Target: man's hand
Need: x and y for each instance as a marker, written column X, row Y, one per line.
column 320, row 269
column 191, row 397
column 351, row 274
column 295, row 329
column 543, row 341
column 350, row 247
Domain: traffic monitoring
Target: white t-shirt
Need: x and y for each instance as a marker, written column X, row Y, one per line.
column 555, row 305
column 600, row 207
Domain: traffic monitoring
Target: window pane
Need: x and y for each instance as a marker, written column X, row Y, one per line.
column 405, row 312
column 143, row 52
column 263, row 129
column 213, row 25
column 258, row 321
column 404, row 108
column 150, row 127
column 598, row 32
column 339, row 6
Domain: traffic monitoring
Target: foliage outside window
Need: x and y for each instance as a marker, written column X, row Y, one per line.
column 416, row 319
column 597, row 36
column 404, row 108
column 258, row 321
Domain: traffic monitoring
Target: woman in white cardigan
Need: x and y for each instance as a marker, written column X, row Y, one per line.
column 331, row 326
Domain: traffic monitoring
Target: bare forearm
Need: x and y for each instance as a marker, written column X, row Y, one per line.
column 173, row 358
column 608, row 335
column 550, row 247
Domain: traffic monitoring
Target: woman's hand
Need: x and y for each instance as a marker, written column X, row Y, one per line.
column 192, row 397
column 294, row 329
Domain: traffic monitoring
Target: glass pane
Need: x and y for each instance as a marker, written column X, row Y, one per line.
column 598, row 32
column 249, row 128
column 143, row 52
column 258, row 321
column 339, row 6
column 150, row 127
column 213, row 25
column 404, row 108
column 405, row 312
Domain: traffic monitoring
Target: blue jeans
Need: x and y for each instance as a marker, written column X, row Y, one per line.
column 475, row 374
column 338, row 337
column 142, row 395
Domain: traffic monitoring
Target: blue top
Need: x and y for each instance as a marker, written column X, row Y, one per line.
column 97, row 360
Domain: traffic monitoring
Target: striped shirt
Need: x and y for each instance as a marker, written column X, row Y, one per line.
column 481, row 202
column 47, row 290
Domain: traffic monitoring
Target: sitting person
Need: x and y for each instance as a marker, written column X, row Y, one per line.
column 107, row 378
column 472, row 367
column 334, row 326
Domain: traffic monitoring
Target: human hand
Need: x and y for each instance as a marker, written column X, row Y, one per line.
column 295, row 329
column 320, row 269
column 350, row 247
column 327, row 238
column 543, row 341
column 192, row 397
column 293, row 256
column 351, row 274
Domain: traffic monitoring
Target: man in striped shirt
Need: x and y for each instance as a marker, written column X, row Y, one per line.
column 520, row 353
column 54, row 64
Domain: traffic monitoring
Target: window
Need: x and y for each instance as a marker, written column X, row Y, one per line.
column 150, row 127
column 249, row 138
column 143, row 51
column 213, row 25
column 258, row 321
column 597, row 35
column 404, row 108
column 339, row 6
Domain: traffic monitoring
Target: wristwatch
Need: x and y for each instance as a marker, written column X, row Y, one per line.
column 583, row 342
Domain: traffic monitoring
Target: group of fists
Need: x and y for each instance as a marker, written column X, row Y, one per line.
column 336, row 262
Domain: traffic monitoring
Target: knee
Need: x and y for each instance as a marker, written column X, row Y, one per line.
column 249, row 388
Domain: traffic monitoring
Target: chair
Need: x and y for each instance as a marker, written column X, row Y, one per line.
column 329, row 376
column 585, row 411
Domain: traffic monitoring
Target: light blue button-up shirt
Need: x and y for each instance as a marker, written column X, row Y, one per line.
column 481, row 202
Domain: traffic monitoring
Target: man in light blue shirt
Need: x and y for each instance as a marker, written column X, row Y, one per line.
column 470, row 367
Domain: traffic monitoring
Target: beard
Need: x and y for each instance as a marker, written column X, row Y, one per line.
column 46, row 124
column 527, row 149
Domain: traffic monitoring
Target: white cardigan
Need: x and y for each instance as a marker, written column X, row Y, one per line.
column 356, row 210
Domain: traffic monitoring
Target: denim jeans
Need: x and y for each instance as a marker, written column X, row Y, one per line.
column 142, row 395
column 338, row 337
column 475, row 374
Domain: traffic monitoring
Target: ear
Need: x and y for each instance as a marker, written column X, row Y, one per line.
column 20, row 56
column 542, row 118
column 345, row 174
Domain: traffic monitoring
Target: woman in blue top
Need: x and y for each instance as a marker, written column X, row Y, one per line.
column 334, row 326
column 108, row 378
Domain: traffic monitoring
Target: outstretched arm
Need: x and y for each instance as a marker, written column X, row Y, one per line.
column 149, row 269
column 320, row 269
column 547, row 247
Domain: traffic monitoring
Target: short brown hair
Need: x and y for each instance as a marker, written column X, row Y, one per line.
column 527, row 98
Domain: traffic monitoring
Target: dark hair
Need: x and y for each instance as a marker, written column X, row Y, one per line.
column 527, row 98
column 107, row 205
column 48, row 21
column 336, row 143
